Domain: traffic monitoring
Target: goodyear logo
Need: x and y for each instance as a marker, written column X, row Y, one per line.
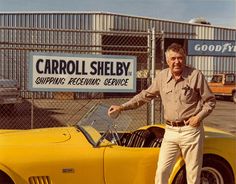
column 211, row 48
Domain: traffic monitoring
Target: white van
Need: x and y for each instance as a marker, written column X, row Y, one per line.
column 9, row 92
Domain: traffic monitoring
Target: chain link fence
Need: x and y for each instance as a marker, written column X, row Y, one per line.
column 51, row 109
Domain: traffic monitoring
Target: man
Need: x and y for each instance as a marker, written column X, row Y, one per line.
column 187, row 100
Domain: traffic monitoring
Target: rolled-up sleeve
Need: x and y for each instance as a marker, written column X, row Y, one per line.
column 143, row 97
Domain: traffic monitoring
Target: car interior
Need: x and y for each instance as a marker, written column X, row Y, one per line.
column 151, row 137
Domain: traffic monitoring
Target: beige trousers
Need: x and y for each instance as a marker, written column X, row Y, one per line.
column 187, row 141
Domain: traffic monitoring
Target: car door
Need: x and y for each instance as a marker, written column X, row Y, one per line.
column 130, row 165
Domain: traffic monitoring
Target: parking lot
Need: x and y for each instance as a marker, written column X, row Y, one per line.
column 223, row 116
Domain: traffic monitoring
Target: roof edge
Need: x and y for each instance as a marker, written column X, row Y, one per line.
column 112, row 13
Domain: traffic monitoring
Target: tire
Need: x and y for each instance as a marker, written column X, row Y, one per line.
column 5, row 179
column 215, row 170
column 234, row 97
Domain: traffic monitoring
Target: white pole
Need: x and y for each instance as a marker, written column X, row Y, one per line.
column 149, row 43
column 153, row 73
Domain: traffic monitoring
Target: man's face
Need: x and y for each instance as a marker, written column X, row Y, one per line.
column 176, row 62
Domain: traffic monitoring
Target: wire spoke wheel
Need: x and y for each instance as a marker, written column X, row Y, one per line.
column 210, row 175
column 215, row 170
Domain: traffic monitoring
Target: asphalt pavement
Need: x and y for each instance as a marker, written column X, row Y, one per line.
column 223, row 117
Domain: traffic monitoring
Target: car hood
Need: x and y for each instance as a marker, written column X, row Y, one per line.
column 35, row 136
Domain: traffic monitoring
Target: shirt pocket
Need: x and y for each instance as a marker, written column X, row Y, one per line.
column 188, row 94
column 167, row 93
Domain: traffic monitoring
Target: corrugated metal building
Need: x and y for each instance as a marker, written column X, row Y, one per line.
column 104, row 34
column 41, row 28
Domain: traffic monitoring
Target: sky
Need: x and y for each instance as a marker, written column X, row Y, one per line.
column 217, row 12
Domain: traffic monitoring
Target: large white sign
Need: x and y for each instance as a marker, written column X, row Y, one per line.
column 81, row 73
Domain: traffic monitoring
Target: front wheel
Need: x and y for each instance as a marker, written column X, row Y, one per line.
column 5, row 179
column 234, row 97
column 215, row 170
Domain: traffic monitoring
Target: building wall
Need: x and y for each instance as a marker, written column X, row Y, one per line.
column 99, row 21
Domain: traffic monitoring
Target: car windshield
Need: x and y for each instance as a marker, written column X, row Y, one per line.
column 99, row 128
column 217, row 79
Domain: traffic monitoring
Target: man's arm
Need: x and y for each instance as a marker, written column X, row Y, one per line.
column 207, row 97
column 138, row 100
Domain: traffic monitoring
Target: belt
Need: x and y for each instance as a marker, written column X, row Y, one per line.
column 176, row 123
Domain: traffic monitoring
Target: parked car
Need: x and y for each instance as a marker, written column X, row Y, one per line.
column 98, row 150
column 224, row 84
column 9, row 93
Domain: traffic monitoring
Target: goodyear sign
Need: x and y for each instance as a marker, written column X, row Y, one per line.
column 82, row 73
column 211, row 48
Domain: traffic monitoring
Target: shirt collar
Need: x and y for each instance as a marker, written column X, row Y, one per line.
column 183, row 75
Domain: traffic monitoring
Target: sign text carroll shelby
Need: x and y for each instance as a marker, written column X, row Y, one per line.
column 70, row 72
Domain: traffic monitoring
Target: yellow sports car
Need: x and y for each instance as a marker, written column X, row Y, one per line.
column 96, row 151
